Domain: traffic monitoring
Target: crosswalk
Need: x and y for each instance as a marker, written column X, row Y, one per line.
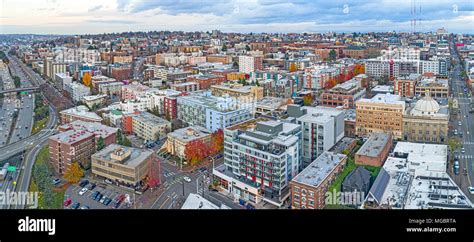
column 465, row 157
column 468, row 142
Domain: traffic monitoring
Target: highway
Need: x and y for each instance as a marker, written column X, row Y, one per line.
column 8, row 106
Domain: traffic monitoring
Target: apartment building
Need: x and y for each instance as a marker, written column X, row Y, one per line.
column 71, row 146
column 238, row 91
column 436, row 87
column 180, row 138
column 108, row 134
column 77, row 91
column 405, row 86
column 343, row 95
column 61, row 80
column 308, row 189
column 78, row 113
column 321, row 127
column 248, row 64
column 382, row 113
column 261, row 157
column 150, row 127
column 212, row 112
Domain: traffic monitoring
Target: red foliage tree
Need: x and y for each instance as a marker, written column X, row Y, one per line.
column 217, row 142
column 154, row 173
column 195, row 151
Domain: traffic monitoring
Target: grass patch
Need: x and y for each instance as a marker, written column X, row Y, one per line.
column 38, row 125
column 350, row 166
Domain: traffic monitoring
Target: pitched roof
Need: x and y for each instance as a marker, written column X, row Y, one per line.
column 357, row 178
column 378, row 188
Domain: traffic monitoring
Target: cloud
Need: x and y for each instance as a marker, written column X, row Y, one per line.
column 112, row 21
column 95, row 8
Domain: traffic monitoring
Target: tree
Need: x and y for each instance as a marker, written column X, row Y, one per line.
column 307, row 100
column 247, row 48
column 454, row 143
column 100, row 143
column 126, row 142
column 195, row 151
column 16, row 81
column 224, row 47
column 74, row 173
column 153, row 178
column 87, row 79
column 293, row 67
column 359, row 69
column 332, row 55
column 217, row 142
column 118, row 137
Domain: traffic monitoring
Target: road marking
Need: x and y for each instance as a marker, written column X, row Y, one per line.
column 167, row 198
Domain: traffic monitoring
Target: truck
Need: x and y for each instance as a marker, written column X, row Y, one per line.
column 3, row 171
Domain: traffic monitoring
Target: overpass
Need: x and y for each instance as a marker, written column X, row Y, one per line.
column 23, row 89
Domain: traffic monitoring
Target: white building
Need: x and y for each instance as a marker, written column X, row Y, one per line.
column 212, row 112
column 261, row 157
column 77, row 91
column 322, row 128
column 248, row 64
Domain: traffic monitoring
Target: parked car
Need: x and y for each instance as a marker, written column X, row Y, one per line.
column 95, row 194
column 67, row 202
column 75, row 206
column 83, row 183
column 83, row 190
column 107, row 201
column 108, row 181
column 471, row 190
column 103, row 199
column 98, row 197
column 92, row 186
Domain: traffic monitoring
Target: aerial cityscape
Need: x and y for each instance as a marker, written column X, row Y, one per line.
column 236, row 105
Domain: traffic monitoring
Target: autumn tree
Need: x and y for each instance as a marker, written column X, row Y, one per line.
column 293, row 67
column 195, row 151
column 74, row 173
column 87, row 79
column 307, row 100
column 217, row 142
column 359, row 69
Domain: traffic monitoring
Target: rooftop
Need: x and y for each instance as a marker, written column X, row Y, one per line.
column 190, row 133
column 131, row 157
column 374, row 145
column 319, row 169
column 93, row 127
column 383, row 88
column 146, row 117
column 72, row 136
column 384, row 99
column 82, row 111
column 195, row 201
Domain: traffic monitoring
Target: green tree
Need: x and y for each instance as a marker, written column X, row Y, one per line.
column 332, row 55
column 119, row 137
column 100, row 143
column 126, row 142
column 247, row 48
column 224, row 47
column 454, row 143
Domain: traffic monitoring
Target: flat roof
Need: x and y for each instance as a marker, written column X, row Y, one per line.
column 386, row 98
column 190, row 133
column 149, row 118
column 136, row 158
column 319, row 169
column 72, row 136
column 93, row 127
column 374, row 145
column 195, row 201
column 82, row 111
column 431, row 156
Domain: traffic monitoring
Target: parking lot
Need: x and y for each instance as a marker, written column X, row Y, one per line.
column 87, row 198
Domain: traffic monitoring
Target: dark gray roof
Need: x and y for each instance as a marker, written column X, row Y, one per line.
column 379, row 186
column 357, row 178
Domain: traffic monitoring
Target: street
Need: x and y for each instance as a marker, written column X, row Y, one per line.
column 467, row 128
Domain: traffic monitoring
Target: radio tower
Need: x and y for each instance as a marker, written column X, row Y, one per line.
column 414, row 15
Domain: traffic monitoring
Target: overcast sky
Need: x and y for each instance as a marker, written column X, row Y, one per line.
column 99, row 16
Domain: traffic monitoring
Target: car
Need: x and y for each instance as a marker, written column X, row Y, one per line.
column 83, row 190
column 75, row 205
column 203, row 169
column 92, row 186
column 67, row 202
column 108, row 181
column 463, row 150
column 103, row 199
column 187, row 179
column 107, row 201
column 56, row 181
column 117, row 204
column 460, row 123
column 99, row 197
column 471, row 190
column 456, row 167
column 94, row 195
column 85, row 207
column 83, row 183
